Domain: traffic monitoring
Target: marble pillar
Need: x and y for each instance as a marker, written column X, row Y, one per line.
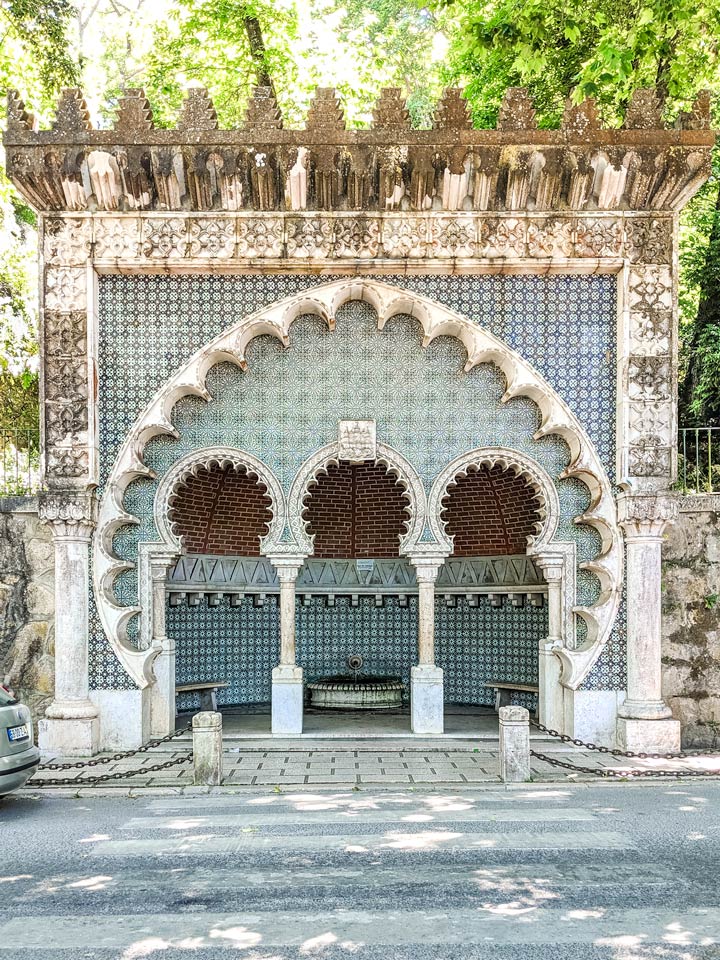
column 71, row 727
column 551, row 708
column 287, row 677
column 426, row 679
column 645, row 721
column 162, row 697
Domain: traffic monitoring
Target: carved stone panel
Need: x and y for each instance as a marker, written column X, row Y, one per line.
column 260, row 237
column 357, row 440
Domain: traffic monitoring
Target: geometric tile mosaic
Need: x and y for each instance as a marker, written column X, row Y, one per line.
column 474, row 645
column 290, row 400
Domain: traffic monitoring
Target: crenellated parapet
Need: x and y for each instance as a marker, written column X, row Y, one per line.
column 263, row 166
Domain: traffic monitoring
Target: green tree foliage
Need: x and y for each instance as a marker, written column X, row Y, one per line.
column 34, row 52
column 605, row 51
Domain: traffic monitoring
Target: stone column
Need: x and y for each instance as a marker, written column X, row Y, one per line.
column 71, row 727
column 645, row 721
column 550, row 697
column 162, row 697
column 287, row 678
column 426, row 680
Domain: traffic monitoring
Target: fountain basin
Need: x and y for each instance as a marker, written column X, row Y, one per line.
column 351, row 693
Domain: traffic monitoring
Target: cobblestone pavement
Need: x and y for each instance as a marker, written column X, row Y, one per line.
column 354, row 764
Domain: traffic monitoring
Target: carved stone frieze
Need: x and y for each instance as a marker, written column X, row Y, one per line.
column 213, row 238
column 598, row 238
column 405, row 237
column 166, row 238
column 650, row 288
column 357, row 237
column 65, row 288
column 453, row 236
column 551, row 238
column 116, row 239
column 65, row 334
column 651, row 423
column 649, row 378
column 260, row 237
column 309, row 237
column 66, row 463
column 504, row 237
column 648, row 240
column 649, row 459
column 68, row 241
column 650, row 331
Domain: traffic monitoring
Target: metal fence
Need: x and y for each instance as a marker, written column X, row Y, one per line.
column 699, row 460
column 19, row 461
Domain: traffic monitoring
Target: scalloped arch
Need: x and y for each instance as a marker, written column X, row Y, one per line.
column 393, row 461
column 519, row 464
column 388, row 301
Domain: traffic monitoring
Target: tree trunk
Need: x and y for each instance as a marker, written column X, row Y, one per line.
column 258, row 52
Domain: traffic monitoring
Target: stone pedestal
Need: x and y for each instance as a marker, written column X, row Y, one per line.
column 287, row 700
column 71, row 726
column 426, row 700
column 207, row 749
column 645, row 721
column 514, row 744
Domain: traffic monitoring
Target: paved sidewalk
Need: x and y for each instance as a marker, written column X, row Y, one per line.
column 350, row 764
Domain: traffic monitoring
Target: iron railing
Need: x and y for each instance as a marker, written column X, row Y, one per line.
column 19, row 461
column 699, row 459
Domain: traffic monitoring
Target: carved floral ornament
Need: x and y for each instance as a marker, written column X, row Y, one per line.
column 436, row 320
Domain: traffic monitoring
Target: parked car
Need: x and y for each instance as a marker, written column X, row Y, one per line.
column 19, row 757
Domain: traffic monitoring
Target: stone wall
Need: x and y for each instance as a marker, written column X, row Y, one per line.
column 691, row 621
column 26, row 603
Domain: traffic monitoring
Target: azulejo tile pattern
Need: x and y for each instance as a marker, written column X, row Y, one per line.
column 289, row 402
column 474, row 645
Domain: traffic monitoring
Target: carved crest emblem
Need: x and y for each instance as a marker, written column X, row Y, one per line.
column 357, row 440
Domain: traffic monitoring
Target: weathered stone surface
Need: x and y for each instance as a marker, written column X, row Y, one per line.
column 390, row 165
column 26, row 604
column 691, row 626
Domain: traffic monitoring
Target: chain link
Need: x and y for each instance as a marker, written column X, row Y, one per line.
column 99, row 761
column 609, row 772
column 105, row 777
column 613, row 752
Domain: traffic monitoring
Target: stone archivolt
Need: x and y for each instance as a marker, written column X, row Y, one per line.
column 436, row 321
column 263, row 166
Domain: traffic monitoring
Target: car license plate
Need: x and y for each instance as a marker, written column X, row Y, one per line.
column 18, row 733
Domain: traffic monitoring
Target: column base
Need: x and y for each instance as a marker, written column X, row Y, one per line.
column 645, row 710
column 78, row 737
column 287, row 700
column 427, row 710
column 648, row 736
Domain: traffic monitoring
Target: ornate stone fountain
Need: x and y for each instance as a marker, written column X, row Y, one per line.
column 356, row 690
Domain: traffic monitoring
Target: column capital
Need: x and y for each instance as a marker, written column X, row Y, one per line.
column 427, row 566
column 287, row 565
column 551, row 564
column 70, row 514
column 160, row 563
column 645, row 516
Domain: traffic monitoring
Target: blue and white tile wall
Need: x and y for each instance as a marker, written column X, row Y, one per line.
column 290, row 400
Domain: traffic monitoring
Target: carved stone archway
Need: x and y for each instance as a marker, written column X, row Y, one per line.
column 436, row 320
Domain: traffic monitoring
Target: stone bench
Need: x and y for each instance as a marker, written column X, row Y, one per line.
column 207, row 691
column 504, row 690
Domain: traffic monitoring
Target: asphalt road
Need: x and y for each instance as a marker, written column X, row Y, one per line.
column 617, row 871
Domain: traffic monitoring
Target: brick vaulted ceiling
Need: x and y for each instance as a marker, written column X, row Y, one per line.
column 221, row 511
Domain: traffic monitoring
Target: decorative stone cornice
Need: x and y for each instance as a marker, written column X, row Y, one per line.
column 646, row 517
column 263, row 166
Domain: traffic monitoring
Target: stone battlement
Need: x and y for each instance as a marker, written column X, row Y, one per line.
column 390, row 166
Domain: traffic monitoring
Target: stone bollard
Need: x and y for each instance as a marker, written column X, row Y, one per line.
column 207, row 749
column 514, row 744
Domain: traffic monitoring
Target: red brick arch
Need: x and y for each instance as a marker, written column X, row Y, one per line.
column 490, row 512
column 356, row 510
column 221, row 511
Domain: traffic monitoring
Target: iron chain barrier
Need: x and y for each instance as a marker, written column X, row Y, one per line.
column 120, row 774
column 609, row 772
